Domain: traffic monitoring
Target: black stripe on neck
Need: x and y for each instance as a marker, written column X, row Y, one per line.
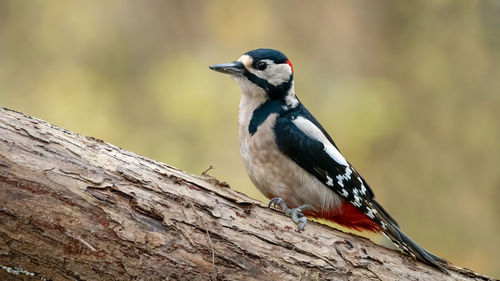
column 261, row 113
column 273, row 92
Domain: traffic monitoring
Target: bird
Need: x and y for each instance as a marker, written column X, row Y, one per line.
column 294, row 162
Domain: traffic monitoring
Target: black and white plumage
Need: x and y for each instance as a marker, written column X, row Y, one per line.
column 292, row 160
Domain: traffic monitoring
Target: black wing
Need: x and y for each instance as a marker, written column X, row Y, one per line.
column 309, row 153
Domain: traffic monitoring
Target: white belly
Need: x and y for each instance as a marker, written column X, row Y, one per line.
column 276, row 175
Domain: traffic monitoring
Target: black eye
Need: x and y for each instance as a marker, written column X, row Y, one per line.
column 261, row 65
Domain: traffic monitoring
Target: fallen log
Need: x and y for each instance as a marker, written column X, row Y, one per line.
column 77, row 208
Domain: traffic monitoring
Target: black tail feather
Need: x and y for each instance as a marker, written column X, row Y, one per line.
column 384, row 213
column 404, row 242
column 408, row 245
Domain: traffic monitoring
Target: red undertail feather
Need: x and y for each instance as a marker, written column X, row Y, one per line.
column 349, row 216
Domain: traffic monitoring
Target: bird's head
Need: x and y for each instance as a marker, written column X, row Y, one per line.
column 264, row 74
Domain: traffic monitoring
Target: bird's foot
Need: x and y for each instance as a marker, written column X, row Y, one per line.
column 295, row 213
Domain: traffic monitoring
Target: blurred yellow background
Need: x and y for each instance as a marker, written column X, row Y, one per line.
column 410, row 91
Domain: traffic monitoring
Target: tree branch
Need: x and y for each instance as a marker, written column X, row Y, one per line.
column 77, row 208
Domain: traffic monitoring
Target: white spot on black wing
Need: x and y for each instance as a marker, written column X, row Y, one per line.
column 384, row 225
column 345, row 193
column 370, row 213
column 329, row 180
column 345, row 177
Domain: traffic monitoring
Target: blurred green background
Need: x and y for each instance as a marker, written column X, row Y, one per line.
column 410, row 91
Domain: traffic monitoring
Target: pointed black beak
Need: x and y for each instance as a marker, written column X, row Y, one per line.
column 233, row 68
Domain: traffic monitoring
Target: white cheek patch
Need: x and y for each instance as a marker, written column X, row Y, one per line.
column 275, row 74
column 314, row 132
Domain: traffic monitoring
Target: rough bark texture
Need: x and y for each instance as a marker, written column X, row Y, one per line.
column 77, row 208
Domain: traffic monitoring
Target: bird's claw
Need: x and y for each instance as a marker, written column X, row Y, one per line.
column 295, row 213
column 277, row 201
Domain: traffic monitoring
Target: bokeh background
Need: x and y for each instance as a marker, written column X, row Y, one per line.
column 410, row 91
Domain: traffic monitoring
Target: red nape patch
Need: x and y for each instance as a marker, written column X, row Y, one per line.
column 290, row 64
column 349, row 216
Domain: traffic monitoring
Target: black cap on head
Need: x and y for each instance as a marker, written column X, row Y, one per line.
column 267, row 54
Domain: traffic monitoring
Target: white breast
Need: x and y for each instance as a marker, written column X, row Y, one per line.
column 272, row 172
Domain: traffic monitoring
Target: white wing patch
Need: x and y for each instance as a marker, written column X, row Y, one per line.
column 314, row 132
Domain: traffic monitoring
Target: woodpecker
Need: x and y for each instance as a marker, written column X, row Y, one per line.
column 293, row 161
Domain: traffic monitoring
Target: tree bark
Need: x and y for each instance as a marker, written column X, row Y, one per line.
column 77, row 208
